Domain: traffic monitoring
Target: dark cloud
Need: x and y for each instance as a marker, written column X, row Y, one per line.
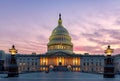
column 94, row 34
column 98, row 36
column 103, row 42
column 98, row 41
column 114, row 33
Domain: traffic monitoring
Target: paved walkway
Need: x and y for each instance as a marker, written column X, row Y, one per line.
column 59, row 76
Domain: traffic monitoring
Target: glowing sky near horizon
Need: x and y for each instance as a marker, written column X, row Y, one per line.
column 92, row 24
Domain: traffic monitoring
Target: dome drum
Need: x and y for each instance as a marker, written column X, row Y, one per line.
column 60, row 47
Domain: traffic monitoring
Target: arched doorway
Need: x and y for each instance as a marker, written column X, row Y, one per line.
column 60, row 63
column 51, row 67
column 69, row 68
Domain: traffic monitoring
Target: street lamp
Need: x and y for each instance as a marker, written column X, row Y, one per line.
column 13, row 68
column 13, row 51
column 109, row 64
column 108, row 51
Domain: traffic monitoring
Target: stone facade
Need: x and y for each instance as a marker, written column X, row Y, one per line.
column 67, row 62
column 28, row 63
column 2, row 58
column 117, row 63
column 92, row 63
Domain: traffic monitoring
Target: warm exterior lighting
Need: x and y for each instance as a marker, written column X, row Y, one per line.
column 13, row 51
column 60, row 59
column 76, row 60
column 44, row 61
column 109, row 51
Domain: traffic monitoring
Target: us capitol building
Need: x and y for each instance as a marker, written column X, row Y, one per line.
column 60, row 56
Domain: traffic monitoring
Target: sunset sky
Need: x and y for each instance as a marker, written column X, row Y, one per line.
column 92, row 24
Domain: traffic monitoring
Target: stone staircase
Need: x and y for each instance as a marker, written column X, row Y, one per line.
column 60, row 68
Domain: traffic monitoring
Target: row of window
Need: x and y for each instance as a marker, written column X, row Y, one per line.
column 93, row 59
column 93, row 69
column 29, row 63
column 27, row 59
column 91, row 63
column 23, row 69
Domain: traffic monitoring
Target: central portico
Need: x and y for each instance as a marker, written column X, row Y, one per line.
column 60, row 56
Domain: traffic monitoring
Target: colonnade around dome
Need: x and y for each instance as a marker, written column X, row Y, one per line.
column 60, row 47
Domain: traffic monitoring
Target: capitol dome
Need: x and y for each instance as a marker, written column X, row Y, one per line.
column 60, row 39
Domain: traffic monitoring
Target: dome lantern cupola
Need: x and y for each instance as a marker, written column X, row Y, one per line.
column 60, row 20
column 60, row 39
